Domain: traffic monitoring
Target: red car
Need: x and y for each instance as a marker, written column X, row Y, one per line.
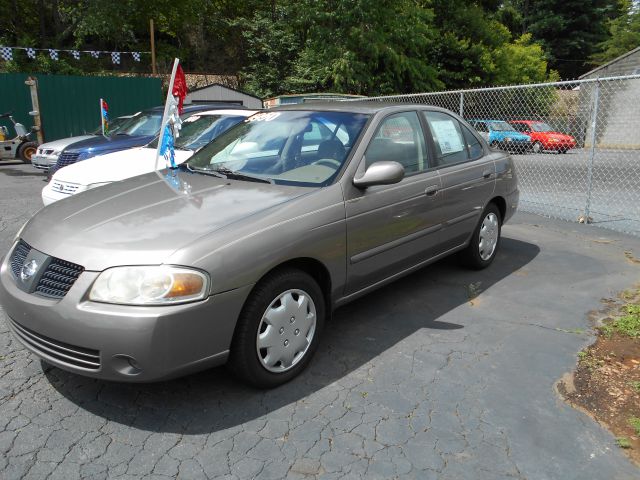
column 544, row 137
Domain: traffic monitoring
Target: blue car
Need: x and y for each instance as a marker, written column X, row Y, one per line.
column 500, row 134
column 139, row 130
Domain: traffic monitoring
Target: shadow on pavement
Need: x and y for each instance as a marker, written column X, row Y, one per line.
column 213, row 400
column 6, row 169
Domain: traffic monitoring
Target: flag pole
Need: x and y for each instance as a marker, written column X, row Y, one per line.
column 165, row 115
column 102, row 119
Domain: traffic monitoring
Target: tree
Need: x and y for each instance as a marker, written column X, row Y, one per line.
column 569, row 31
column 474, row 48
column 625, row 34
column 364, row 47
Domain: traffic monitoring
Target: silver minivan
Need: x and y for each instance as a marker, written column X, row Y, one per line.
column 239, row 255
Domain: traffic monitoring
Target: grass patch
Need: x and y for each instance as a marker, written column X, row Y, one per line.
column 635, row 385
column 623, row 442
column 627, row 325
column 635, row 424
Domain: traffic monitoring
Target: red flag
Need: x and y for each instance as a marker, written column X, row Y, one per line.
column 180, row 87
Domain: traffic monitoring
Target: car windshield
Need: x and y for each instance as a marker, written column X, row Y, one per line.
column 501, row 127
column 542, row 127
column 114, row 125
column 198, row 130
column 305, row 148
column 142, row 124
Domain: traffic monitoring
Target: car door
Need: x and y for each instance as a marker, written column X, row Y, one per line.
column 467, row 173
column 392, row 227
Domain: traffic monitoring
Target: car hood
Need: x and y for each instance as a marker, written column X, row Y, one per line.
column 510, row 133
column 143, row 220
column 64, row 142
column 99, row 145
column 115, row 166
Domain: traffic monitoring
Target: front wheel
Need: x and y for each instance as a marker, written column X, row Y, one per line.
column 26, row 151
column 537, row 147
column 278, row 330
column 485, row 239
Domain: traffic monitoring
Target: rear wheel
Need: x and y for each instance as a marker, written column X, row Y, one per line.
column 278, row 330
column 485, row 239
column 26, row 151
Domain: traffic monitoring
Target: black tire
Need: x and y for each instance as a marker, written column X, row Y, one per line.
column 564, row 150
column 243, row 357
column 472, row 255
column 537, row 147
column 26, row 151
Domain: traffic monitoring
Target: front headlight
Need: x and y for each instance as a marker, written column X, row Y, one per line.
column 151, row 285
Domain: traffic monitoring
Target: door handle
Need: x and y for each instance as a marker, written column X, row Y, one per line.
column 487, row 173
column 431, row 190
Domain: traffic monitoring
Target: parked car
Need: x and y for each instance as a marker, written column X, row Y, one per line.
column 139, row 130
column 240, row 254
column 48, row 153
column 501, row 134
column 544, row 137
column 197, row 130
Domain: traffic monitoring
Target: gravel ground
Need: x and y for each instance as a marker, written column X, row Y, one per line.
column 445, row 374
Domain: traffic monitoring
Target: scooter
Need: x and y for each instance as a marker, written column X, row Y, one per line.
column 20, row 146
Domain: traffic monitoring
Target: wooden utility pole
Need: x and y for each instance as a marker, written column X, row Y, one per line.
column 153, row 47
column 32, row 83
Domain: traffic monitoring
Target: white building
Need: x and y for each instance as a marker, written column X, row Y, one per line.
column 218, row 93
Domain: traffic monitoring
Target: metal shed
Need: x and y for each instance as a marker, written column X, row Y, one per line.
column 217, row 93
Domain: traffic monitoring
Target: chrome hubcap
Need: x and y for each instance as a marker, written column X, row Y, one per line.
column 488, row 236
column 286, row 330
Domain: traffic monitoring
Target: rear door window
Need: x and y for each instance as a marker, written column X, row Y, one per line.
column 448, row 139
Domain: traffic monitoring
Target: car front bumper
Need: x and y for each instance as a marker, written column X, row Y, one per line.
column 43, row 162
column 117, row 342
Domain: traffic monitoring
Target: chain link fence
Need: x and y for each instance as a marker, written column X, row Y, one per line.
column 582, row 159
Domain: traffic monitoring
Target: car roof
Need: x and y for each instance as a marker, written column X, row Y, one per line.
column 367, row 107
column 486, row 120
column 198, row 107
column 244, row 113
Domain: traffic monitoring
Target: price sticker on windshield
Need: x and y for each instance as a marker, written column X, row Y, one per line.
column 263, row 117
column 192, row 118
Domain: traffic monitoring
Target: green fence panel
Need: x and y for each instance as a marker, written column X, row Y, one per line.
column 69, row 105
column 15, row 96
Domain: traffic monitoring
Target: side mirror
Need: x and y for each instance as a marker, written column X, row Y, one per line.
column 380, row 173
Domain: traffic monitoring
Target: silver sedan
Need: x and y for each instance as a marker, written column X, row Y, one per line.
column 240, row 255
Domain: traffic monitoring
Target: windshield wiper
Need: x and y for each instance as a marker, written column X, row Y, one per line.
column 203, row 171
column 235, row 175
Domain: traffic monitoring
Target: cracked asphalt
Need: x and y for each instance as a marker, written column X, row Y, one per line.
column 446, row 374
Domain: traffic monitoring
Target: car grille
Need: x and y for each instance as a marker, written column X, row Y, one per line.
column 67, row 159
column 71, row 355
column 56, row 280
column 64, row 187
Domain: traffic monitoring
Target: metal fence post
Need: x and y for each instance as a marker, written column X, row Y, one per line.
column 592, row 153
column 461, row 110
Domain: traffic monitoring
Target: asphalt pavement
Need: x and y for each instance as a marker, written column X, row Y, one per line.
column 563, row 185
column 446, row 374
